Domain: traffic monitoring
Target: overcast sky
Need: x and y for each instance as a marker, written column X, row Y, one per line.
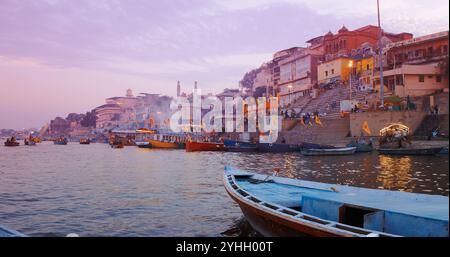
column 62, row 56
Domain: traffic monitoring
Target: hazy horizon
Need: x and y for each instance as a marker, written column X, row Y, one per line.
column 63, row 56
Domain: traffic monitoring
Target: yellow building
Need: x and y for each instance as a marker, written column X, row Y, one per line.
column 364, row 69
column 337, row 69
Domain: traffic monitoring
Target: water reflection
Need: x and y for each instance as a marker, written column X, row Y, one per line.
column 395, row 173
column 98, row 191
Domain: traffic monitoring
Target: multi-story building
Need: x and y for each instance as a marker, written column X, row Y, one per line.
column 415, row 66
column 298, row 74
column 346, row 41
column 275, row 64
column 334, row 70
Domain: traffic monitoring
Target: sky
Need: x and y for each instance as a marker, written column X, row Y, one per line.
column 63, row 56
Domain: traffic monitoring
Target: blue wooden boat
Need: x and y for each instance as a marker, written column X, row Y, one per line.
column 61, row 141
column 410, row 151
column 6, row 232
column 276, row 206
column 239, row 146
column 327, row 152
column 277, row 148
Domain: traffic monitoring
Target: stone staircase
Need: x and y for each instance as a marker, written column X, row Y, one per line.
column 430, row 122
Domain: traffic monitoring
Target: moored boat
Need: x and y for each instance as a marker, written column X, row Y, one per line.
column 204, row 146
column 410, row 151
column 239, row 146
column 61, row 141
column 276, row 206
column 85, row 141
column 163, row 144
column 277, row 148
column 327, row 152
column 305, row 145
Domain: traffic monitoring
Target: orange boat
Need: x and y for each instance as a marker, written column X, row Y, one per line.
column 162, row 144
column 204, row 146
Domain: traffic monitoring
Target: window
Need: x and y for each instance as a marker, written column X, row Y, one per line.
column 421, row 78
column 332, row 71
column 438, row 79
column 367, row 67
column 430, row 51
column 326, row 73
column 444, row 49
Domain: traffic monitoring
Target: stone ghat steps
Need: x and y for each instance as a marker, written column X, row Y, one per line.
column 432, row 121
column 333, row 132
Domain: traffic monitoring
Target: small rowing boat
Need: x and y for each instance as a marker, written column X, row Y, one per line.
column 163, row 144
column 60, row 141
column 276, row 206
column 277, row 148
column 327, row 152
column 11, row 142
column 204, row 146
column 239, row 146
column 410, row 151
column 85, row 141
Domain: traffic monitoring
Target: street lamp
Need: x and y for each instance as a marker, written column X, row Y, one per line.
column 350, row 65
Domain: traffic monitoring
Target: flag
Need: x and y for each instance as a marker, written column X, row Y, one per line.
column 365, row 128
column 317, row 120
column 302, row 122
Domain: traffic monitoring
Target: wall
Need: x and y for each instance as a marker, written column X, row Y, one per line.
column 379, row 120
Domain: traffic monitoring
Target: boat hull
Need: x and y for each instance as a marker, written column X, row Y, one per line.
column 12, row 143
column 270, row 225
column 277, row 148
column 60, row 143
column 161, row 144
column 421, row 151
column 329, row 152
column 241, row 147
column 204, row 146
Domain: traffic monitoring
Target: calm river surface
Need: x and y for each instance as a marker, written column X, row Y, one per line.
column 93, row 190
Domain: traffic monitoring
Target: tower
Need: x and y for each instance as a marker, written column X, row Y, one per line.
column 129, row 93
column 178, row 89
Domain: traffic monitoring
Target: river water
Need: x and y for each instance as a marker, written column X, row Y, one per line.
column 93, row 190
